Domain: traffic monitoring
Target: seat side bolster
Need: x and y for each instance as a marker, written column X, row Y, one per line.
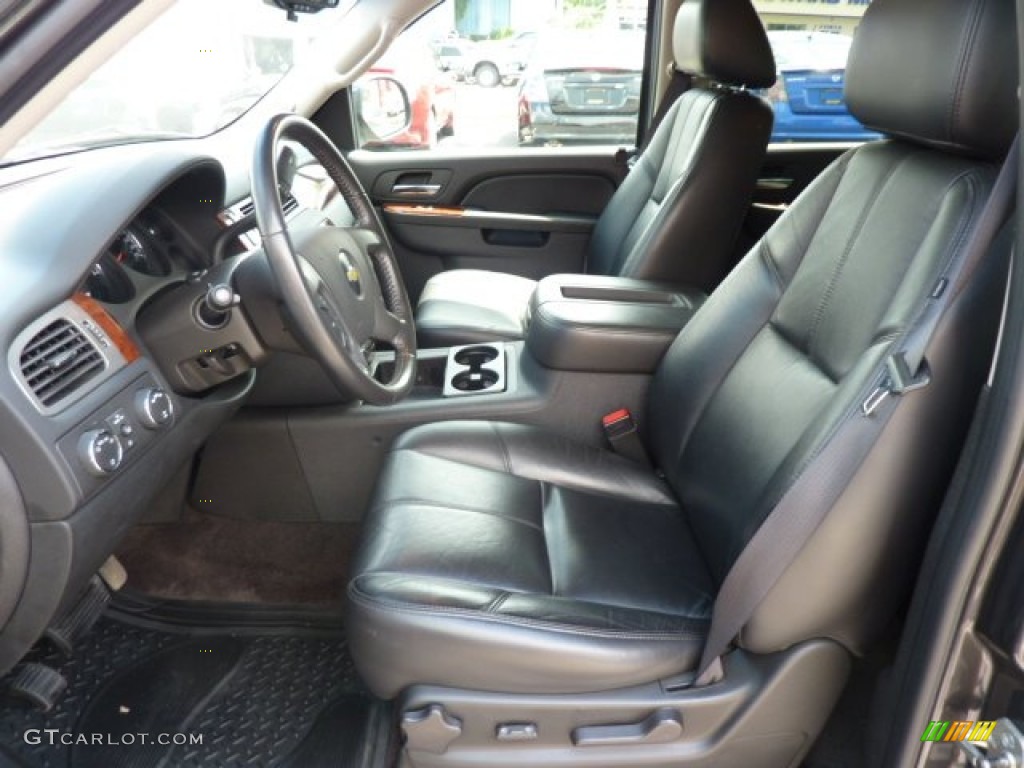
column 395, row 643
column 524, row 452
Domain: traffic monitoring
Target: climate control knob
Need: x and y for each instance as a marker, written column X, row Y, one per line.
column 100, row 451
column 154, row 407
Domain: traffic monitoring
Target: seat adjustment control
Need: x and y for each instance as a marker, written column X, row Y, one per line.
column 1003, row 749
column 430, row 729
column 660, row 727
column 516, row 732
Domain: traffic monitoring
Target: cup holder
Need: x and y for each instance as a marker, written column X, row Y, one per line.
column 470, row 381
column 476, row 356
column 475, row 369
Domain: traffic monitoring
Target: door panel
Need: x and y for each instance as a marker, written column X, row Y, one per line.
column 787, row 170
column 526, row 212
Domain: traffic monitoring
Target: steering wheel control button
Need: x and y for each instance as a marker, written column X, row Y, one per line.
column 100, row 451
column 154, row 407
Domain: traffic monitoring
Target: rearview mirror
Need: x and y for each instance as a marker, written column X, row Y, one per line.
column 381, row 107
column 295, row 7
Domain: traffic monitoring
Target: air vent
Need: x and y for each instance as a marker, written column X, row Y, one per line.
column 58, row 360
column 288, row 204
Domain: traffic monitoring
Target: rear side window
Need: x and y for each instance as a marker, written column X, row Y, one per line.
column 811, row 41
column 508, row 73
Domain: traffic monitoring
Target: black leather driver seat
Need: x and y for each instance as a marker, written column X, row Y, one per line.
column 676, row 216
column 506, row 558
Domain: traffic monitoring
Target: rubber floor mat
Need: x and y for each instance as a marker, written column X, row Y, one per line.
column 283, row 699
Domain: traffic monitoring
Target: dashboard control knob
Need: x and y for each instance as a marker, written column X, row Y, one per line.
column 100, row 451
column 220, row 297
column 154, row 407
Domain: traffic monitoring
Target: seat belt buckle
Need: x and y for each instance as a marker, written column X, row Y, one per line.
column 622, row 434
column 714, row 673
column 899, row 380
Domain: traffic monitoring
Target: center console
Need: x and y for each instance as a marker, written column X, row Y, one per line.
column 475, row 368
column 606, row 324
column 592, row 346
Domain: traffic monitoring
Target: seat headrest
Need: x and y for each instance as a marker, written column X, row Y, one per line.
column 725, row 41
column 938, row 72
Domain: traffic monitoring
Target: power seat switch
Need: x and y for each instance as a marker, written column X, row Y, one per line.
column 516, row 732
column 430, row 729
column 1004, row 748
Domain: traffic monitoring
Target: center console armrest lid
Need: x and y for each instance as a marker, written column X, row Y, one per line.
column 606, row 324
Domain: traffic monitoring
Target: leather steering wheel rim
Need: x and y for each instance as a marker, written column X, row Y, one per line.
column 319, row 294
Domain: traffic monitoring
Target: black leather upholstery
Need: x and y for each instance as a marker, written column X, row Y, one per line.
column 751, row 388
column 568, row 537
column 444, row 318
column 942, row 72
column 761, row 375
column 724, row 41
column 593, row 323
column 676, row 216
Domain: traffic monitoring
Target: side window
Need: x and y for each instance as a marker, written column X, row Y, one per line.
column 508, row 73
column 811, row 40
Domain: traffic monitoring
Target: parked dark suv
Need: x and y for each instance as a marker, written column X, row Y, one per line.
column 574, row 91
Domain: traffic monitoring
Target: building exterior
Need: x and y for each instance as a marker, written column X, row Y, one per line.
column 841, row 16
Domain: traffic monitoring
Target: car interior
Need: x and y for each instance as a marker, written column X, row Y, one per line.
column 675, row 217
column 318, row 455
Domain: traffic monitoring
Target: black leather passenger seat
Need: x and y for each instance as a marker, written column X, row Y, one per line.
column 676, row 217
column 491, row 548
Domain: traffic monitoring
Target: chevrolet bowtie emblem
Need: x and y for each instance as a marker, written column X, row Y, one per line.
column 352, row 275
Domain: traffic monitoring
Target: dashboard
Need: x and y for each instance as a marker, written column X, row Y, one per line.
column 146, row 247
column 100, row 253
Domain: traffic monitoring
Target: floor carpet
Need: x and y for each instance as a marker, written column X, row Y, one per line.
column 206, row 557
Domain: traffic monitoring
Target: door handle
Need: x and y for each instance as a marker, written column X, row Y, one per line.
column 774, row 184
column 415, row 190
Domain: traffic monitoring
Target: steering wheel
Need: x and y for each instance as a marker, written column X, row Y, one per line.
column 340, row 285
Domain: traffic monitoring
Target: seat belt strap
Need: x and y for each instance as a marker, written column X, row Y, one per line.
column 802, row 508
column 678, row 84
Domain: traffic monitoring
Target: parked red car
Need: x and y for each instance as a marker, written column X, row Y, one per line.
column 429, row 91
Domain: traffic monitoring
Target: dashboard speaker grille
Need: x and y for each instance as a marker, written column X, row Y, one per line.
column 58, row 360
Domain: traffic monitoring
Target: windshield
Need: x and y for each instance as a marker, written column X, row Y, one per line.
column 196, row 68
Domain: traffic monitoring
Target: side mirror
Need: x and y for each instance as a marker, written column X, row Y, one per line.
column 382, row 108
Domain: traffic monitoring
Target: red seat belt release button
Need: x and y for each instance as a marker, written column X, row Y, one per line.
column 622, row 434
